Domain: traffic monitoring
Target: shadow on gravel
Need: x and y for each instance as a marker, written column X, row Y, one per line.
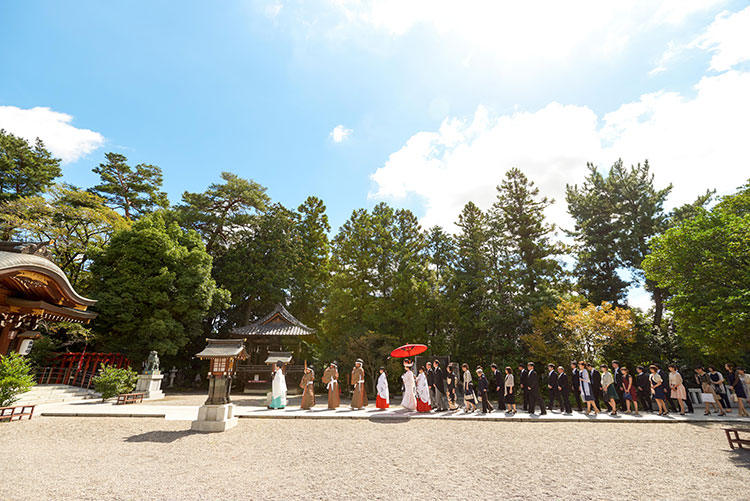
column 740, row 457
column 160, row 437
column 390, row 419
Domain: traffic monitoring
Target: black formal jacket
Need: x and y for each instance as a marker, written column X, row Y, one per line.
column 618, row 379
column 438, row 379
column 430, row 377
column 576, row 377
column 552, row 380
column 642, row 383
column 500, row 380
column 532, row 381
column 524, row 378
column 562, row 382
column 483, row 385
column 596, row 380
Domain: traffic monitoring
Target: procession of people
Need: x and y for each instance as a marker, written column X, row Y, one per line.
column 612, row 388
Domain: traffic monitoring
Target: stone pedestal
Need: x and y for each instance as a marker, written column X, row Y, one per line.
column 150, row 384
column 213, row 418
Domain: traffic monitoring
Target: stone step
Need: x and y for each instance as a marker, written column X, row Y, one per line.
column 55, row 393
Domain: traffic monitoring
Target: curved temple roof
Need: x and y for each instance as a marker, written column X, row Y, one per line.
column 277, row 323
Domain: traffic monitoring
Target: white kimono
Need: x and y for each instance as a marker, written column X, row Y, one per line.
column 409, row 402
column 382, row 388
column 278, row 390
column 423, row 390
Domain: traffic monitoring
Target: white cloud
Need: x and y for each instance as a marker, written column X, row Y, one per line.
column 339, row 133
column 694, row 142
column 728, row 38
column 54, row 128
column 272, row 10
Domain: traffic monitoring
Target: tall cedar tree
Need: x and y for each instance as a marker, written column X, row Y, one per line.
column 134, row 190
column 219, row 213
column 25, row 170
column 441, row 255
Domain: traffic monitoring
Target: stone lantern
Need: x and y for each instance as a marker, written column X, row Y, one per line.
column 217, row 413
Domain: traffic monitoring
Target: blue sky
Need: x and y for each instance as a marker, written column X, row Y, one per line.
column 436, row 100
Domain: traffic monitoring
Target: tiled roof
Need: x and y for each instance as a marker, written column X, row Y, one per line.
column 221, row 348
column 277, row 323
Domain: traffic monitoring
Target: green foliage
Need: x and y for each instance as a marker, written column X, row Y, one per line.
column 15, row 378
column 42, row 350
column 154, row 286
column 134, row 190
column 112, row 381
column 704, row 261
column 25, row 170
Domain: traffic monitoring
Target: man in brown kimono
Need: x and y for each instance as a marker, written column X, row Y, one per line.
column 359, row 397
column 331, row 380
column 308, row 388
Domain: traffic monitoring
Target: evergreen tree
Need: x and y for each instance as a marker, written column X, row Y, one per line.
column 25, row 170
column 134, row 190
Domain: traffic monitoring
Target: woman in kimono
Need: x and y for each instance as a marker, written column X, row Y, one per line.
column 409, row 400
column 470, row 399
column 331, row 380
column 308, row 388
column 423, row 392
column 587, row 393
column 278, row 388
column 383, row 400
column 450, row 385
column 359, row 396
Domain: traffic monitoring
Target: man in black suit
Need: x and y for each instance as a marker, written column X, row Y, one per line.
column 643, row 385
column 563, row 390
column 524, row 378
column 430, row 380
column 596, row 386
column 667, row 390
column 532, row 387
column 576, row 379
column 483, row 387
column 499, row 386
column 551, row 386
column 618, row 382
column 441, row 401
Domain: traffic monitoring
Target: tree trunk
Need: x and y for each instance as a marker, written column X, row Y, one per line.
column 658, row 296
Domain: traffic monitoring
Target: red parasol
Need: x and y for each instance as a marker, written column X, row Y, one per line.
column 408, row 350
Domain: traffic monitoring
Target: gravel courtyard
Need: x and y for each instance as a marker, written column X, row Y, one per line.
column 143, row 458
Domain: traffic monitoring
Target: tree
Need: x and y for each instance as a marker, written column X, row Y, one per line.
column 75, row 222
column 15, row 378
column 597, row 236
column 441, row 254
column 154, row 287
column 222, row 210
column 112, row 381
column 704, row 262
column 134, row 190
column 25, row 170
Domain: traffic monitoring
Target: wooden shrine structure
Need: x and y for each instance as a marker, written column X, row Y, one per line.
column 32, row 289
column 276, row 337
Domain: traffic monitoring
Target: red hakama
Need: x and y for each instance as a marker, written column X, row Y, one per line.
column 381, row 403
column 423, row 406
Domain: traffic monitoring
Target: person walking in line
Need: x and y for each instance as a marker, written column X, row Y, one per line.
column 586, row 389
column 409, row 400
column 676, row 387
column 629, row 392
column 470, row 398
column 643, row 387
column 551, row 386
column 440, row 402
column 450, row 385
column 596, row 385
column 331, row 380
column 667, row 392
column 499, row 379
column 617, row 375
column 709, row 394
column 483, row 385
column 739, row 390
column 532, row 386
column 608, row 387
column 523, row 377
column 657, row 389
column 423, row 392
column 576, row 384
column 430, row 373
column 307, row 384
column 717, row 379
column 563, row 390
column 383, row 399
column 510, row 391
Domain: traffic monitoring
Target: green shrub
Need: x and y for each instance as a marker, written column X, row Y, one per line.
column 112, row 381
column 15, row 378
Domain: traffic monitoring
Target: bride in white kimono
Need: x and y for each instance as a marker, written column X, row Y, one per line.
column 278, row 388
column 423, row 392
column 409, row 401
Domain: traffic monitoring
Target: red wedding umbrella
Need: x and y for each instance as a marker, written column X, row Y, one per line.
column 408, row 350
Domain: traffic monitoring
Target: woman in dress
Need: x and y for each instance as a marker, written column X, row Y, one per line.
column 677, row 389
column 745, row 378
column 717, row 378
column 409, row 400
column 423, row 392
column 450, row 385
column 735, row 382
column 608, row 387
column 629, row 392
column 510, row 392
column 383, row 399
column 657, row 389
column 587, row 393
column 707, row 387
column 278, row 388
column 470, row 399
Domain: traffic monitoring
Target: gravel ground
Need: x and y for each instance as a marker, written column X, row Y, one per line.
column 142, row 458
